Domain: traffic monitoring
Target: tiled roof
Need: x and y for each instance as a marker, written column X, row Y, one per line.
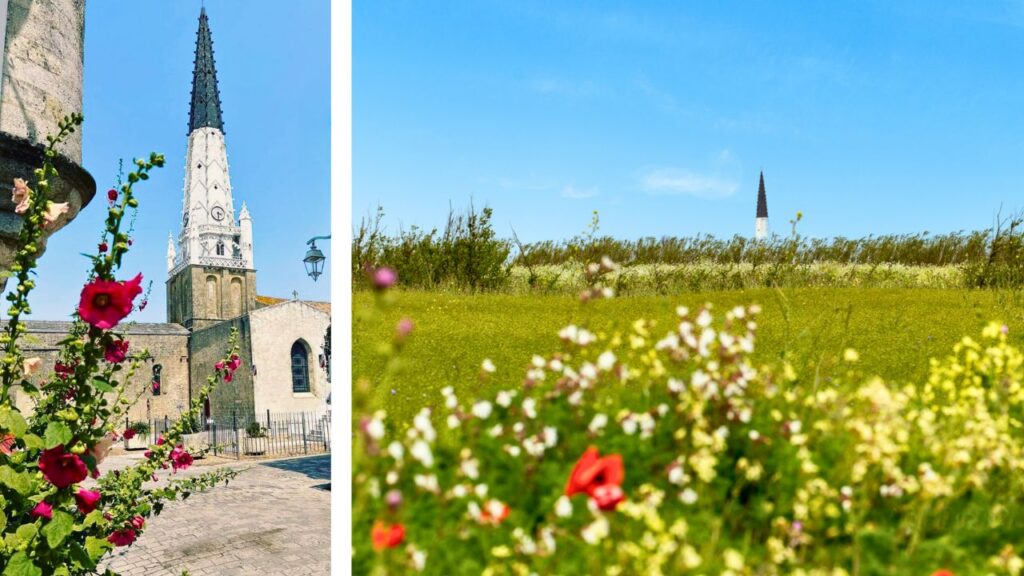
column 63, row 326
column 270, row 301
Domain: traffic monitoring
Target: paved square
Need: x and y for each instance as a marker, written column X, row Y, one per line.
column 274, row 519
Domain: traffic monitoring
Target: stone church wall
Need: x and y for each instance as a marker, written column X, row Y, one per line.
column 275, row 329
column 167, row 343
column 208, row 345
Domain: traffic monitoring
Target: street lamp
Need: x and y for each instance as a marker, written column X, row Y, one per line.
column 314, row 259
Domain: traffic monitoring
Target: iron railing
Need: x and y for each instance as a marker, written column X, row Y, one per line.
column 266, row 434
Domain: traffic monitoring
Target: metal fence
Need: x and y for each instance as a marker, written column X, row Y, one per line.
column 266, row 434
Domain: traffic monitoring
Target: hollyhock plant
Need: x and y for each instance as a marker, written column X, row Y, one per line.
column 384, row 278
column 50, row 523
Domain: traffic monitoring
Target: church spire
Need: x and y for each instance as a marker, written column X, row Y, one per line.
column 762, row 200
column 205, row 110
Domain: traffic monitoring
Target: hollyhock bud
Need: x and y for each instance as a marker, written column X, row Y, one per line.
column 42, row 510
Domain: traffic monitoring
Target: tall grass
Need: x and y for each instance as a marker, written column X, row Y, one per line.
column 468, row 255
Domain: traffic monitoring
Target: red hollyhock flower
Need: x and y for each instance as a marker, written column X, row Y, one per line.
column 61, row 468
column 116, row 351
column 234, row 362
column 128, row 434
column 64, row 370
column 122, row 537
column 104, row 303
column 138, row 522
column 42, row 510
column 386, row 536
column 87, row 500
column 592, row 471
column 111, row 195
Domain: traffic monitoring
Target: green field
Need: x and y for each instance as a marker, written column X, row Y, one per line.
column 896, row 331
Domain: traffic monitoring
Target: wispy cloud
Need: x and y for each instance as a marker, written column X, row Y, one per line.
column 686, row 183
column 578, row 193
column 719, row 182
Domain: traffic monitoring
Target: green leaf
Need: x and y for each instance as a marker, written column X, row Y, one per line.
column 58, row 528
column 92, row 518
column 26, row 532
column 96, row 547
column 102, row 385
column 62, row 571
column 21, row 565
column 33, row 442
column 20, row 482
column 13, row 421
column 57, row 433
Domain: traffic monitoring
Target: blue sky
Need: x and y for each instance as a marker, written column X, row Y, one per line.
column 869, row 117
column 273, row 65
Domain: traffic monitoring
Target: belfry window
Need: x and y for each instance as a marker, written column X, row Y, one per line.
column 220, row 247
column 300, row 367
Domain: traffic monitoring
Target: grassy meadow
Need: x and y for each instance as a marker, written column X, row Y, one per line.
column 895, row 331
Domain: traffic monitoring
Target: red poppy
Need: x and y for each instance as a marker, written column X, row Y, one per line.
column 386, row 536
column 61, row 468
column 122, row 537
column 942, row 573
column 593, row 470
column 116, row 351
column 87, row 500
column 104, row 303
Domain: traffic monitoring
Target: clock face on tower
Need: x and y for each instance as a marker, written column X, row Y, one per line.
column 217, row 213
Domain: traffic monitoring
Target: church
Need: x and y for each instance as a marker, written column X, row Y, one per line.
column 211, row 290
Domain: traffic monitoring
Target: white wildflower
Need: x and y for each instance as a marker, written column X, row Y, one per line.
column 482, row 409
column 396, row 450
column 688, row 496
column 487, row 366
column 550, row 434
column 606, row 361
column 453, row 421
column 563, row 507
column 596, row 531
column 421, row 451
column 504, row 398
column 375, row 428
column 530, row 408
column 599, row 422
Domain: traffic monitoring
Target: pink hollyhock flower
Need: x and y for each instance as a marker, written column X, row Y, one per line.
column 61, row 468
column 384, row 278
column 234, row 362
column 404, row 328
column 122, row 537
column 19, row 195
column 87, row 500
column 219, row 365
column 104, row 303
column 42, row 510
column 54, row 210
column 180, row 458
column 31, row 365
column 160, row 441
column 116, row 351
column 138, row 522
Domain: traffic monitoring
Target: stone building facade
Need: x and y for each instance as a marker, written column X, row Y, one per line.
column 211, row 291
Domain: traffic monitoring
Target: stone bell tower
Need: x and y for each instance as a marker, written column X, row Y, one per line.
column 211, row 276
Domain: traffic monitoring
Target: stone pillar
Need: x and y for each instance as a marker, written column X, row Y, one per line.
column 41, row 84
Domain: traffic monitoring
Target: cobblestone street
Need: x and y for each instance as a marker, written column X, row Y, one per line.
column 273, row 520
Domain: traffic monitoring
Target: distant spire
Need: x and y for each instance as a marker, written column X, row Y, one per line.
column 205, row 95
column 762, row 200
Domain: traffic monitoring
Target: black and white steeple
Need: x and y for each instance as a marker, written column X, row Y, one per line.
column 761, row 222
column 210, row 234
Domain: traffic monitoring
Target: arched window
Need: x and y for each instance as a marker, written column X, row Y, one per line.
column 213, row 306
column 220, row 247
column 300, row 367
